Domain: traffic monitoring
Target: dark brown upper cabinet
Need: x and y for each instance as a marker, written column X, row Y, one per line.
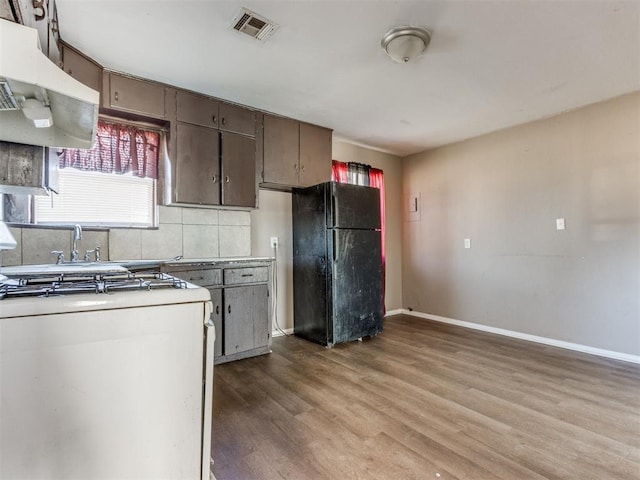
column 213, row 113
column 281, row 150
column 315, row 154
column 295, row 154
column 197, row 109
column 133, row 95
column 81, row 67
column 197, row 168
column 214, row 151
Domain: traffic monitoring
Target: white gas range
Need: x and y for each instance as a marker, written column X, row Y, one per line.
column 104, row 375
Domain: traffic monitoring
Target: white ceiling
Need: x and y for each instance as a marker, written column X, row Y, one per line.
column 490, row 64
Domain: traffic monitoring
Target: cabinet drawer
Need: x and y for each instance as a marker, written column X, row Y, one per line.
column 199, row 277
column 234, row 276
column 197, row 109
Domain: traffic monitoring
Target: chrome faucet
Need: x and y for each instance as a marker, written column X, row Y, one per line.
column 77, row 235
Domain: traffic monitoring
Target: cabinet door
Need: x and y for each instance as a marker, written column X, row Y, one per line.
column 245, row 318
column 216, row 316
column 81, row 68
column 238, row 170
column 134, row 95
column 197, row 165
column 281, row 150
column 197, row 109
column 237, row 119
column 315, row 155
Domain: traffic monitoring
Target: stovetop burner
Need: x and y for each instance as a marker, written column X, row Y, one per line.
column 47, row 285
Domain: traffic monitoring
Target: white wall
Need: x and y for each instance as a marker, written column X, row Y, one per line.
column 504, row 191
column 273, row 219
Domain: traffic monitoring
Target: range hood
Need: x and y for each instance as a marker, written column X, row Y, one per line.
column 39, row 103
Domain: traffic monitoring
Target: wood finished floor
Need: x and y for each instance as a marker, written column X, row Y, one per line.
column 427, row 401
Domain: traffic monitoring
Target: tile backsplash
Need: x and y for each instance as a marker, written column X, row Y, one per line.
column 190, row 232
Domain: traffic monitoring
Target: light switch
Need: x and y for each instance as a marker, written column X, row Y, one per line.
column 413, row 204
column 559, row 223
column 467, row 243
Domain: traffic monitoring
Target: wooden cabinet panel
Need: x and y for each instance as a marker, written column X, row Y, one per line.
column 235, row 276
column 82, row 68
column 241, row 309
column 134, row 95
column 295, row 154
column 197, row 109
column 281, row 150
column 203, row 276
column 315, row 155
column 197, row 171
column 216, row 316
column 238, row 170
column 244, row 307
column 236, row 185
column 237, row 119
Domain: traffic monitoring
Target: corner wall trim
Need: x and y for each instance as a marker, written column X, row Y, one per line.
column 625, row 357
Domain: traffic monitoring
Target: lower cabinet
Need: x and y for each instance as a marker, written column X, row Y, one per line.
column 240, row 295
column 245, row 312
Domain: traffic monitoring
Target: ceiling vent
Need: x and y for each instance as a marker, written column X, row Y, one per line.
column 254, row 25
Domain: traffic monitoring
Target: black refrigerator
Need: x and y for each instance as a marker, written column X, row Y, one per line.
column 337, row 263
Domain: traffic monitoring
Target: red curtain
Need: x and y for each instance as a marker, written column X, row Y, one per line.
column 340, row 174
column 118, row 149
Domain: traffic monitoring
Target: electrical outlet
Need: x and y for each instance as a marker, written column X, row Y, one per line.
column 467, row 243
column 559, row 223
column 274, row 242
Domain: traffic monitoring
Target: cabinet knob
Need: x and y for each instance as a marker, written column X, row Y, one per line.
column 224, row 121
column 115, row 96
column 295, row 167
column 214, row 119
column 215, row 178
column 302, row 168
column 226, row 179
column 217, row 309
column 229, row 309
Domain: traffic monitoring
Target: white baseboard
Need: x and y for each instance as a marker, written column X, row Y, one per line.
column 625, row 357
column 397, row 311
column 278, row 333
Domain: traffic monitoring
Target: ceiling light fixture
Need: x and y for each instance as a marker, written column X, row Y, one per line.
column 403, row 44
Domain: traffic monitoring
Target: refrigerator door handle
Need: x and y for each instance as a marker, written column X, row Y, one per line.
column 334, row 211
column 335, row 245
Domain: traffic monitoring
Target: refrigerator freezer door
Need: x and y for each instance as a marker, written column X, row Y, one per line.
column 356, row 284
column 354, row 206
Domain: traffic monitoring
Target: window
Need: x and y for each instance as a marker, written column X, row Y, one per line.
column 97, row 198
column 112, row 184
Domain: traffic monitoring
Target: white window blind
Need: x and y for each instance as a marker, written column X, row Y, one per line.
column 99, row 199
